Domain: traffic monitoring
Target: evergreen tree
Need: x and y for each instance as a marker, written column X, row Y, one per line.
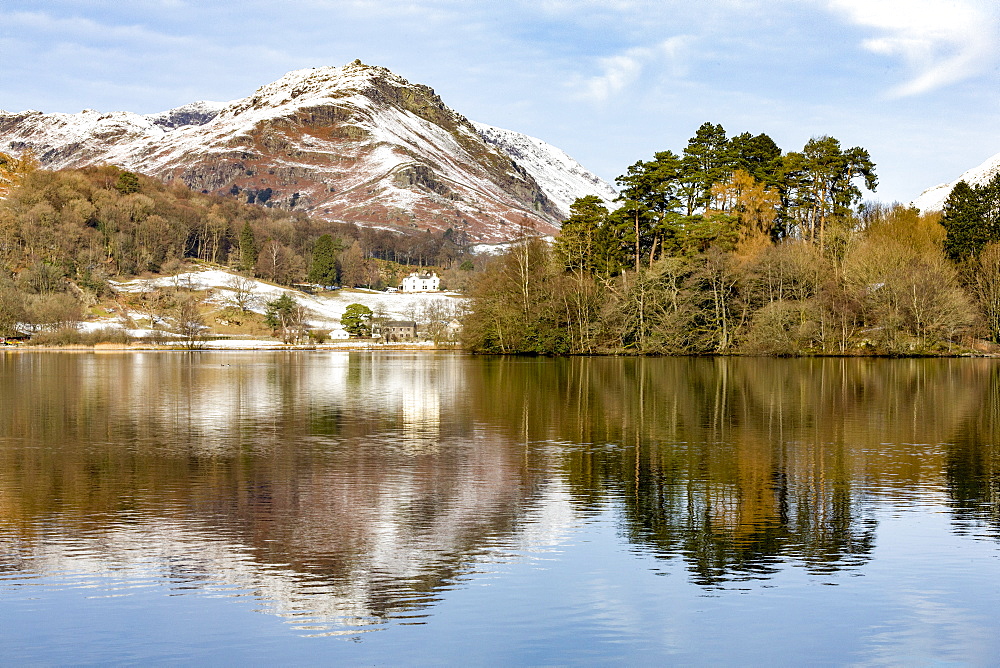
column 966, row 220
column 286, row 317
column 649, row 212
column 989, row 196
column 758, row 156
column 820, row 182
column 587, row 242
column 708, row 159
column 248, row 248
column 356, row 320
column 324, row 268
column 127, row 183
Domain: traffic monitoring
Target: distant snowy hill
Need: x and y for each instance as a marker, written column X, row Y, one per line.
column 561, row 177
column 355, row 143
column 933, row 199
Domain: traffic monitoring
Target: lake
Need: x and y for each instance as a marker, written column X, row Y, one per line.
column 424, row 508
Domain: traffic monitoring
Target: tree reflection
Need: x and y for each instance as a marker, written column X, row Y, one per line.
column 737, row 465
column 973, row 459
column 358, row 486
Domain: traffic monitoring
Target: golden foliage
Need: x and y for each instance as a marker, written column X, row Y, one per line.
column 920, row 232
column 755, row 205
column 13, row 169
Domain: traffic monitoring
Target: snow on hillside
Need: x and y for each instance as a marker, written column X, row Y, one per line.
column 933, row 199
column 325, row 311
column 561, row 177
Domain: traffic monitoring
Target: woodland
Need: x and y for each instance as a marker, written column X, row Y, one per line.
column 733, row 246
column 65, row 234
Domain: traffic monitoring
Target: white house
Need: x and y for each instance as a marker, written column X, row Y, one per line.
column 417, row 282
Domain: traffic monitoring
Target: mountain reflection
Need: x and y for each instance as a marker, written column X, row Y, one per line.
column 327, row 483
column 344, row 489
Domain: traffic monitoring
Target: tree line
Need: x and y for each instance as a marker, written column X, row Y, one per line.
column 734, row 246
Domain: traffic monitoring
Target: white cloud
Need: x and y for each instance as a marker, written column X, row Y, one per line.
column 621, row 70
column 942, row 42
column 618, row 73
column 87, row 30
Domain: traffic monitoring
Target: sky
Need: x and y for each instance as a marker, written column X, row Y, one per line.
column 915, row 82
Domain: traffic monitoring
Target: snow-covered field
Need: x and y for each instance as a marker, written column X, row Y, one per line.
column 323, row 311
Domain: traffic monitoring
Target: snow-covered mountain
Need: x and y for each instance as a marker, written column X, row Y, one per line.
column 933, row 199
column 354, row 143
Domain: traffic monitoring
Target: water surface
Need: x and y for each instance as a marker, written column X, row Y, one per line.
column 419, row 508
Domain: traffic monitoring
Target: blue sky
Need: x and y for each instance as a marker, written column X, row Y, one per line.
column 609, row 81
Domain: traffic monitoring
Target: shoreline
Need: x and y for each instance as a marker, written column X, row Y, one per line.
column 271, row 346
column 249, row 345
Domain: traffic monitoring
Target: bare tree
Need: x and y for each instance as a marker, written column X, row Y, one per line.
column 987, row 287
column 190, row 321
column 244, row 295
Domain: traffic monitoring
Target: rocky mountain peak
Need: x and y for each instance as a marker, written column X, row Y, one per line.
column 350, row 143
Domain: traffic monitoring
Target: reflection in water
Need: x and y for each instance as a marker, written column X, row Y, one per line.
column 327, row 484
column 739, row 465
column 345, row 489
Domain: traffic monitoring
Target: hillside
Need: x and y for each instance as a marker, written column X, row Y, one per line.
column 216, row 289
column 348, row 144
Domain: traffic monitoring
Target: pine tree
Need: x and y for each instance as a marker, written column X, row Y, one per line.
column 286, row 317
column 248, row 248
column 324, row 269
column 708, row 159
column 965, row 222
column 758, row 156
column 648, row 215
column 127, row 183
column 820, row 184
column 356, row 320
column 586, row 243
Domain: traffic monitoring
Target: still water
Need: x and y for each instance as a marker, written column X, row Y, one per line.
column 420, row 508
